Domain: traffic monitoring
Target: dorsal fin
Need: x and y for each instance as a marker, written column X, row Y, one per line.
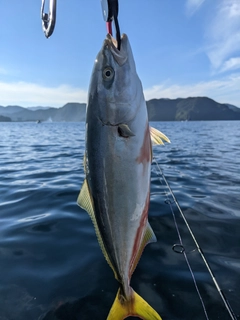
column 85, row 202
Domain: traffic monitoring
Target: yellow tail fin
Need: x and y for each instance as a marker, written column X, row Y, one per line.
column 136, row 307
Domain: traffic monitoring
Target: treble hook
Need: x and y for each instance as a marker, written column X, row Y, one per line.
column 49, row 19
column 110, row 13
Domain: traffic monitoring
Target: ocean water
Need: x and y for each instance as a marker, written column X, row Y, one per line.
column 51, row 266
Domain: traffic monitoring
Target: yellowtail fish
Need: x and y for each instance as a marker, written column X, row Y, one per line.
column 118, row 157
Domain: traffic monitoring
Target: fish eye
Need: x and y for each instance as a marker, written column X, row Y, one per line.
column 108, row 73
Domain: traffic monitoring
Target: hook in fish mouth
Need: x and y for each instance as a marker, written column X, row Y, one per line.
column 120, row 55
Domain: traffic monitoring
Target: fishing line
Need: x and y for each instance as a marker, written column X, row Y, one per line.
column 180, row 246
column 186, row 258
column 168, row 201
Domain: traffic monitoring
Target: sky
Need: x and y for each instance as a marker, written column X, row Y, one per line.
column 182, row 48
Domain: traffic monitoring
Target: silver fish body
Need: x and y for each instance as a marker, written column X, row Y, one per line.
column 118, row 158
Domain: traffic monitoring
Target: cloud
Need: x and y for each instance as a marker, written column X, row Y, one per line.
column 223, row 34
column 192, row 6
column 30, row 94
column 225, row 90
column 231, row 64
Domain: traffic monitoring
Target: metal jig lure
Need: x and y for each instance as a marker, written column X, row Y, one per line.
column 48, row 19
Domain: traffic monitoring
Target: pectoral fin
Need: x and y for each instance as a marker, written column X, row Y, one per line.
column 157, row 136
column 85, row 202
column 125, row 131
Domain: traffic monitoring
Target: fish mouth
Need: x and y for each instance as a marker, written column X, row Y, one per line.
column 120, row 56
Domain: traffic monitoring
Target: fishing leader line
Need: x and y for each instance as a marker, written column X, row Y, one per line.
column 179, row 248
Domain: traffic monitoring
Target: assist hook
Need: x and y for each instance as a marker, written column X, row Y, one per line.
column 110, row 13
column 49, row 19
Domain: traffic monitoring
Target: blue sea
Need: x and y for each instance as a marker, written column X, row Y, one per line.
column 51, row 266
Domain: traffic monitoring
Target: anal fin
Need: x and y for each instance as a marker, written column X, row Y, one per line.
column 148, row 237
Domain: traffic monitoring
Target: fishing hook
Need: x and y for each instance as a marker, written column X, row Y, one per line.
column 110, row 13
column 49, row 19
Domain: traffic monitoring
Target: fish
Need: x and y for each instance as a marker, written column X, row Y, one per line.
column 117, row 164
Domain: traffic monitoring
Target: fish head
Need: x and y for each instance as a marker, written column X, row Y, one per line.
column 115, row 87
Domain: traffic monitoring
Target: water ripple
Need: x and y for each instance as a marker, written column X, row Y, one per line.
column 51, row 264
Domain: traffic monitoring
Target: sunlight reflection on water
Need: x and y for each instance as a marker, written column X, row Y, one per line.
column 33, row 218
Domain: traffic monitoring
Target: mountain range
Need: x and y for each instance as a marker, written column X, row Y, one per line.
column 187, row 109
